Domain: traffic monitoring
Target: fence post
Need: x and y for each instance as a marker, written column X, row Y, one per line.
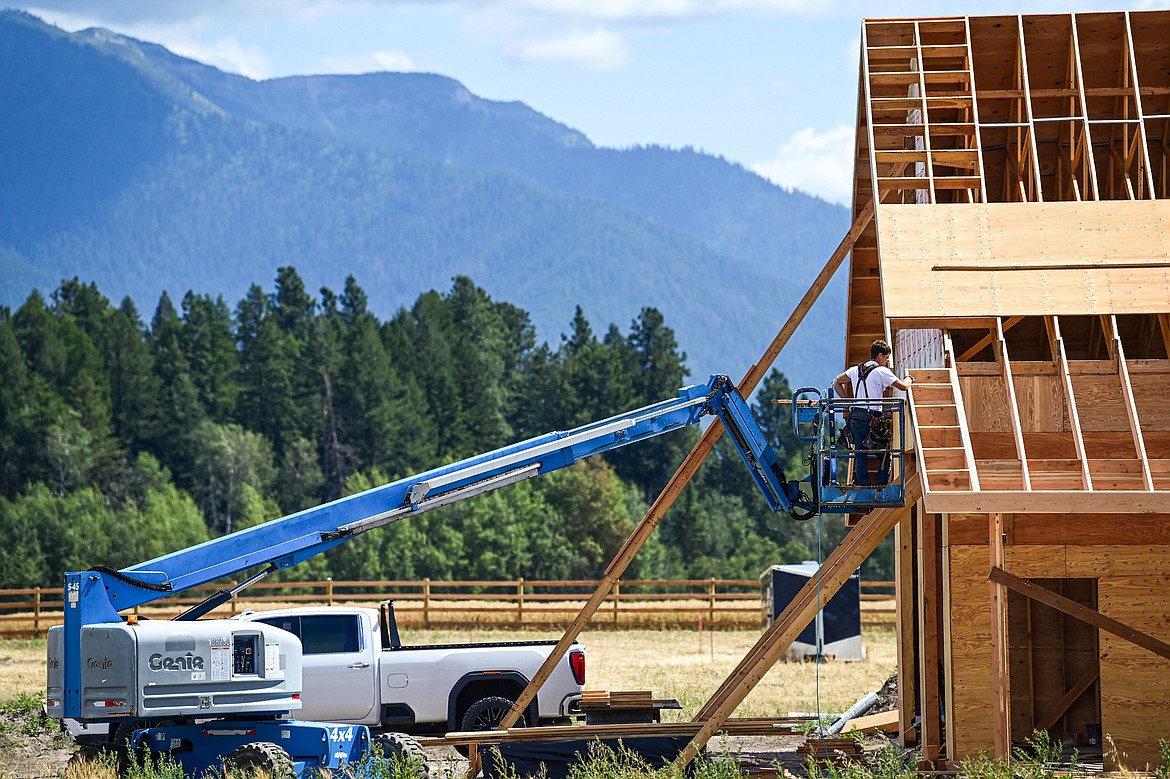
column 617, row 595
column 427, row 602
column 235, row 609
column 520, row 601
column 711, row 602
column 329, row 591
column 37, row 611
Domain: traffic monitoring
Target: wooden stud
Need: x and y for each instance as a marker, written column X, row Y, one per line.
column 971, row 90
column 964, row 431
column 1000, row 683
column 929, row 608
column 1023, row 49
column 1147, row 168
column 1074, row 419
column 1135, row 425
column 1013, row 405
column 904, row 600
column 1086, row 141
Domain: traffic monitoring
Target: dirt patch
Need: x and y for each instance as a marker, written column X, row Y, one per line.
column 32, row 744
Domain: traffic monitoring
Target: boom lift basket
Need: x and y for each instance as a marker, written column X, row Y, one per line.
column 821, row 419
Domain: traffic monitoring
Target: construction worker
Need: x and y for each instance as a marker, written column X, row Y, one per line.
column 868, row 383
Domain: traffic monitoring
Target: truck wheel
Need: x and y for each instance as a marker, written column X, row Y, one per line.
column 488, row 713
column 404, row 749
column 262, row 756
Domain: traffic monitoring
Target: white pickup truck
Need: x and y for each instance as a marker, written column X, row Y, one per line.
column 356, row 670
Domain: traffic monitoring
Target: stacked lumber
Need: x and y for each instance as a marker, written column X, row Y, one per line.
column 834, row 749
column 592, row 700
column 631, row 699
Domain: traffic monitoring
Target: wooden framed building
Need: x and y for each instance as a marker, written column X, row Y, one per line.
column 1019, row 262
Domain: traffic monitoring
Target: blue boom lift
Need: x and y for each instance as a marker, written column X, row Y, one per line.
column 205, row 690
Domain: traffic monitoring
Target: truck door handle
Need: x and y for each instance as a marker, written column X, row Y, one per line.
column 359, row 665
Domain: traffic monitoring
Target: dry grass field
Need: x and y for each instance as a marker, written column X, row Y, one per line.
column 682, row 664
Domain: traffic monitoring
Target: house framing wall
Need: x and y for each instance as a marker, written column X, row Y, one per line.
column 1018, row 262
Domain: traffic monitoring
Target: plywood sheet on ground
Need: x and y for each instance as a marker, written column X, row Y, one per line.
column 1006, row 259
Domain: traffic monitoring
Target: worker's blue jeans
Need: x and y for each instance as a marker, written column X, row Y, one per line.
column 859, row 428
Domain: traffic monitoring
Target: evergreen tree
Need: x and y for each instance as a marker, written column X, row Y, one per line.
column 134, row 386
column 268, row 363
column 433, row 335
column 14, row 399
column 178, row 402
column 209, row 346
column 656, row 369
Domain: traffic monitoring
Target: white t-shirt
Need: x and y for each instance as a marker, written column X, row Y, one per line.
column 876, row 382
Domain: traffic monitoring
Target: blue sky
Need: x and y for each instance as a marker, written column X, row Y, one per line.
column 770, row 84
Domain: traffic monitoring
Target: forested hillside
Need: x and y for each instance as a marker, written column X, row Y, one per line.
column 122, row 439
column 143, row 171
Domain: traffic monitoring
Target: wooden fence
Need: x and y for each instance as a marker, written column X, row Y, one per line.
column 708, row 603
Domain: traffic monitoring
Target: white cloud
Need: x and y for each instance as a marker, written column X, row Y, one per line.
column 816, row 162
column 377, row 61
column 596, row 50
column 226, row 53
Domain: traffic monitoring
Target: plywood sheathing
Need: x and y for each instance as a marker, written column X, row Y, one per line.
column 1003, row 259
column 1129, row 558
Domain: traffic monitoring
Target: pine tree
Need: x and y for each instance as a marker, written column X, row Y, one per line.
column 14, row 399
column 178, row 401
column 268, row 362
column 134, row 387
column 209, row 346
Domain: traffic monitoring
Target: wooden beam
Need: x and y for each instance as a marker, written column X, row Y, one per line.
column 1164, row 319
column 1048, row 501
column 1026, row 81
column 986, row 340
column 929, row 618
column 1083, row 613
column 685, row 472
column 964, row 428
column 970, row 84
column 858, row 544
column 1005, row 363
column 1087, row 142
column 1074, row 419
column 1001, row 695
column 1135, row 425
column 1070, row 697
column 1132, row 60
column 904, row 595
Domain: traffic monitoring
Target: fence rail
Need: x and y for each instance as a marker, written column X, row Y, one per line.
column 520, row 603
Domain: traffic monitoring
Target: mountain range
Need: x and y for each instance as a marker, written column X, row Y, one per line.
column 127, row 165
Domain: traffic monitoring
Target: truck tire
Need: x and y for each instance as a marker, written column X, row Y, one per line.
column 401, row 747
column 262, row 756
column 488, row 713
